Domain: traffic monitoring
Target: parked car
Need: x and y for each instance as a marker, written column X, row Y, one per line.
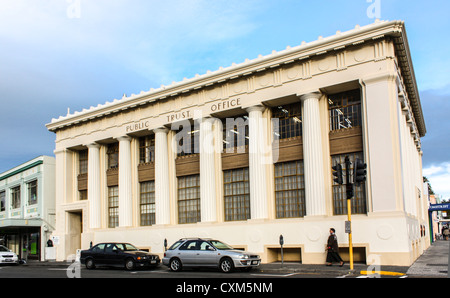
column 201, row 252
column 118, row 254
column 7, row 256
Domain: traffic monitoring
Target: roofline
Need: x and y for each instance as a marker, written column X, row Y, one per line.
column 289, row 55
column 23, row 167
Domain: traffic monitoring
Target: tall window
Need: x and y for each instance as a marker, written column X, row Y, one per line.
column 147, row 203
column 344, row 110
column 2, row 201
column 236, row 194
column 189, row 199
column 290, row 120
column 113, row 155
column 188, row 140
column 83, row 161
column 290, row 189
column 32, row 192
column 235, row 132
column 147, row 149
column 359, row 204
column 15, row 197
column 113, row 206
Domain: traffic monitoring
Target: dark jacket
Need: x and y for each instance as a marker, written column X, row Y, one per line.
column 332, row 243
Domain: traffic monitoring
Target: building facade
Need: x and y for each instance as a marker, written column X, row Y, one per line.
column 27, row 207
column 244, row 154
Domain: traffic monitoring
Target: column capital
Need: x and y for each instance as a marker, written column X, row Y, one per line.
column 123, row 138
column 314, row 94
column 93, row 145
column 259, row 108
column 161, row 129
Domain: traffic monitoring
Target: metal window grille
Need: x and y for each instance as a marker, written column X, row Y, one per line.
column 113, row 155
column 345, row 110
column 189, row 199
column 359, row 202
column 113, row 206
column 83, row 161
column 290, row 189
column 147, row 149
column 290, row 120
column 147, row 203
column 236, row 184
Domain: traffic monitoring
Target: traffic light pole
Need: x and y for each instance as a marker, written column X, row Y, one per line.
column 349, row 191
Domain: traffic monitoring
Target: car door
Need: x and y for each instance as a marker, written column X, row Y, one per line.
column 188, row 252
column 112, row 255
column 98, row 253
column 207, row 255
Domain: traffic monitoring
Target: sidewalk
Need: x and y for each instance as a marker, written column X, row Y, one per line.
column 432, row 263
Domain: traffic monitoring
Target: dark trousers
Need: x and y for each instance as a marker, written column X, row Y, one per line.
column 333, row 257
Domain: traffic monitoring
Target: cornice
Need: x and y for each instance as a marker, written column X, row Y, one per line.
column 339, row 41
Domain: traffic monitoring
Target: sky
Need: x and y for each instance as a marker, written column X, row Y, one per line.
column 57, row 55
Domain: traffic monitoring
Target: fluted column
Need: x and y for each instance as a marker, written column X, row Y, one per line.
column 162, row 189
column 312, row 155
column 94, row 192
column 257, row 169
column 125, row 187
column 207, row 172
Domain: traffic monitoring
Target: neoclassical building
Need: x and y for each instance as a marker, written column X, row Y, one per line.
column 244, row 154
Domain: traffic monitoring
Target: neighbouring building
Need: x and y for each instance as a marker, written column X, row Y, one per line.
column 27, row 207
column 245, row 154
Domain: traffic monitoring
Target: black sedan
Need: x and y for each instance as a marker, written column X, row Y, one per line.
column 117, row 254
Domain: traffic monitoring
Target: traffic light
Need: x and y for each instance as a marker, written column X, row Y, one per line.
column 349, row 191
column 359, row 172
column 337, row 173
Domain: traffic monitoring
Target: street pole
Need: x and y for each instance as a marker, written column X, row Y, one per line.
column 349, row 208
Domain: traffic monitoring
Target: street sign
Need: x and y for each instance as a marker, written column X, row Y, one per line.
column 348, row 227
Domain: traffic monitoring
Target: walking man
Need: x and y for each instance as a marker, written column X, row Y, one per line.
column 333, row 249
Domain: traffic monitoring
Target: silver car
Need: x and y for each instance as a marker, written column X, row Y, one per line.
column 196, row 252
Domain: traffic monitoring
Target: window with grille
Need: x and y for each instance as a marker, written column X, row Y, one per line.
column 235, row 132
column 83, row 161
column 359, row 204
column 147, row 203
column 290, row 189
column 2, row 201
column 83, row 195
column 32, row 192
column 189, row 199
column 345, row 110
column 236, row 184
column 188, row 141
column 113, row 155
column 15, row 197
column 290, row 120
column 113, row 206
column 147, row 149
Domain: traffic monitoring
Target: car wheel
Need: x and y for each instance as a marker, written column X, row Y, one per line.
column 90, row 264
column 130, row 264
column 226, row 265
column 175, row 265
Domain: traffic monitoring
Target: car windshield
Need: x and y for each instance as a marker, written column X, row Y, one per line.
column 3, row 248
column 126, row 247
column 220, row 245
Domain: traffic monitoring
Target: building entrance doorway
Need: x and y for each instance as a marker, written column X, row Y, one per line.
column 75, row 228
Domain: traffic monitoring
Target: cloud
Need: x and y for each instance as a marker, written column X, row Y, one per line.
column 439, row 177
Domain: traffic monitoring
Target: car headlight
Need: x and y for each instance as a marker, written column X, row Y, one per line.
column 243, row 257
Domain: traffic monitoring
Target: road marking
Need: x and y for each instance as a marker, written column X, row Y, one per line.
column 274, row 275
column 382, row 273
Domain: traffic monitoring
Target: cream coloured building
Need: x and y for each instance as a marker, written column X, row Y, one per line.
column 244, row 154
